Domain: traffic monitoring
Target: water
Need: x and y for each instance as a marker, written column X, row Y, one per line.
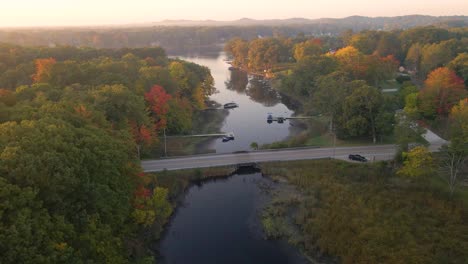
column 255, row 98
column 218, row 223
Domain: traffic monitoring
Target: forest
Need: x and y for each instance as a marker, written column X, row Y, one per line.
column 74, row 123
column 345, row 78
column 79, row 112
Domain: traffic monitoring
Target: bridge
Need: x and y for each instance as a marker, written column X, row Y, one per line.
column 374, row 152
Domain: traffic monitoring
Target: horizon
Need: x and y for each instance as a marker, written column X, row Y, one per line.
column 55, row 13
column 145, row 23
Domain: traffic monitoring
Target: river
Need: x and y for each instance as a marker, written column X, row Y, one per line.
column 255, row 99
column 218, row 222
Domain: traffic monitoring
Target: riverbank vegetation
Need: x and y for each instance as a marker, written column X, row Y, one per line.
column 73, row 124
column 360, row 80
column 368, row 214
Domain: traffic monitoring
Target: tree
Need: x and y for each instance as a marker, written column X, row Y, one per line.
column 28, row 233
column 456, row 153
column 417, row 162
column 442, row 89
column 413, row 57
column 43, row 70
column 239, row 50
column 331, row 92
column 360, row 110
column 352, row 61
column 411, row 106
column 307, row 48
column 438, row 54
column 150, row 209
column 120, row 105
column 389, row 44
column 380, row 69
column 158, row 99
column 460, row 66
column 407, row 132
column 254, row 145
column 179, row 116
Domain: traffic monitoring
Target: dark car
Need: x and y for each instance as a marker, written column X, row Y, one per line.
column 357, row 157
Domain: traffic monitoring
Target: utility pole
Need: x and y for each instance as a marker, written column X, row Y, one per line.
column 334, row 139
column 334, row 143
column 165, row 145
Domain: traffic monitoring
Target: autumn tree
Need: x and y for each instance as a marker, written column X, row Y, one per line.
column 353, row 61
column 157, row 99
column 43, row 70
column 153, row 207
column 417, row 162
column 307, row 48
column 239, row 49
column 442, row 89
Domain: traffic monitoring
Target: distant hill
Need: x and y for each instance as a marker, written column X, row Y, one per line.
column 183, row 36
column 356, row 22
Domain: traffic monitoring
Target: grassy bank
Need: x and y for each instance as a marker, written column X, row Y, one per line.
column 363, row 213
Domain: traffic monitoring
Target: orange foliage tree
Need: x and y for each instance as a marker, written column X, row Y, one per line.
column 43, row 70
column 442, row 89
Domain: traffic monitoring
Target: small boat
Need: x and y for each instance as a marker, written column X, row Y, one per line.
column 230, row 105
column 228, row 137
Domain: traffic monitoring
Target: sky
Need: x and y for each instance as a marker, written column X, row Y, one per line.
column 23, row 13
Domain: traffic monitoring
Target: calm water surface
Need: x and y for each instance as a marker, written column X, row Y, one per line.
column 255, row 99
column 218, row 223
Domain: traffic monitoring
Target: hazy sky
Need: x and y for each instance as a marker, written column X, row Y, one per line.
column 93, row 12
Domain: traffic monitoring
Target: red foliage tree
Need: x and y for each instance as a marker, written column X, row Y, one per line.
column 157, row 98
column 442, row 89
column 43, row 69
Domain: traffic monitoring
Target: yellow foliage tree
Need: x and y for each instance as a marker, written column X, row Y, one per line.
column 418, row 162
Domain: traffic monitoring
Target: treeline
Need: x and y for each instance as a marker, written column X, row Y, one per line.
column 198, row 37
column 73, row 124
column 343, row 77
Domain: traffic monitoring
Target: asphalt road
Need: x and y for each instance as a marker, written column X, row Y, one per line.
column 379, row 152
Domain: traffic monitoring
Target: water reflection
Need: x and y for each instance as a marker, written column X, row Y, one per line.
column 219, row 223
column 257, row 88
column 255, row 98
column 238, row 81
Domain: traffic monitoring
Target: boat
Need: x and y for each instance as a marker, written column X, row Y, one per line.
column 228, row 137
column 230, row 105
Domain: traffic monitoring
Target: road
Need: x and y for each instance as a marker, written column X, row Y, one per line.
column 379, row 152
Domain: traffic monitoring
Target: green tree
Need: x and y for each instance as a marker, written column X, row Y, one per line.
column 254, row 145
column 360, row 110
column 331, row 92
